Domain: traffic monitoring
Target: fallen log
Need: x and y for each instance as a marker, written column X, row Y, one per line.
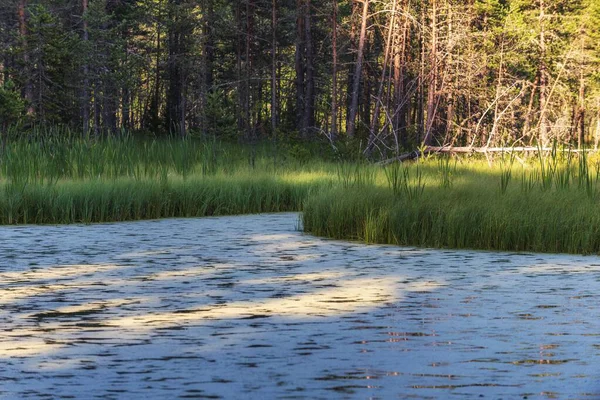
column 470, row 150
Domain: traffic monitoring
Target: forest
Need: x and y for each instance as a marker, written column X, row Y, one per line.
column 388, row 74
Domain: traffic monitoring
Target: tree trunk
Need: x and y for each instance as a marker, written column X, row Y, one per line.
column 581, row 113
column 581, row 109
column 449, row 90
column 85, row 96
column 206, row 78
column 497, row 97
column 433, row 78
column 174, row 71
column 543, row 79
column 274, row 102
column 28, row 86
column 239, row 72
column 155, row 101
column 334, row 111
column 353, row 46
column 250, row 127
column 527, row 123
column 300, row 67
column 421, row 95
column 351, row 128
column 126, row 108
column 97, row 110
column 378, row 100
column 309, row 109
column 400, row 104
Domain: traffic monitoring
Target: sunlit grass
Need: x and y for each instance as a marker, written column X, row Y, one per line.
column 469, row 205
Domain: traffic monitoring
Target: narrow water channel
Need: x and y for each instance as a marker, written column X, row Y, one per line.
column 249, row 307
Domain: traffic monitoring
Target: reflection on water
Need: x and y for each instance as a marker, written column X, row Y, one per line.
column 248, row 307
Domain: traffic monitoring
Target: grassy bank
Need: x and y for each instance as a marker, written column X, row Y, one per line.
column 48, row 180
column 547, row 204
column 529, row 207
column 125, row 199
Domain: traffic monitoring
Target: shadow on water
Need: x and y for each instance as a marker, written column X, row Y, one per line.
column 216, row 307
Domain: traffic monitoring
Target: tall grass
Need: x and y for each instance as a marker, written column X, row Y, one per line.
column 543, row 213
column 67, row 179
column 438, row 202
column 403, row 182
column 126, row 199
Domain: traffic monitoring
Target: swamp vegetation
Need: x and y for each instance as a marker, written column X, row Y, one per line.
column 546, row 202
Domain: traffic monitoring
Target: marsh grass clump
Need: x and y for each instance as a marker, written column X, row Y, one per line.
column 506, row 169
column 543, row 212
column 548, row 166
column 404, row 182
column 467, row 218
column 355, row 174
column 446, row 170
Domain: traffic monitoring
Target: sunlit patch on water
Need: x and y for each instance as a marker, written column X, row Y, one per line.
column 249, row 307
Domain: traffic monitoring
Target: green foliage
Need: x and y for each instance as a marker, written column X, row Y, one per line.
column 220, row 118
column 11, row 104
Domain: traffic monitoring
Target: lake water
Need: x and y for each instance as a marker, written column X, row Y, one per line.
column 249, row 307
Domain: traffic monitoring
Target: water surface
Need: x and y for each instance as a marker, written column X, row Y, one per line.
column 248, row 306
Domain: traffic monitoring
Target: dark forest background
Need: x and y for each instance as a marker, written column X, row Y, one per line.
column 387, row 74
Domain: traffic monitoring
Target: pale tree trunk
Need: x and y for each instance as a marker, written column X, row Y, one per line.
column 497, row 98
column 543, row 79
column 470, row 135
column 450, row 97
column 96, row 109
column 421, row 94
column 351, row 127
column 353, row 48
column 433, row 77
column 126, row 95
column 399, row 119
column 581, row 109
column 378, row 100
column 581, row 113
column 154, row 107
column 243, row 55
column 527, row 123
